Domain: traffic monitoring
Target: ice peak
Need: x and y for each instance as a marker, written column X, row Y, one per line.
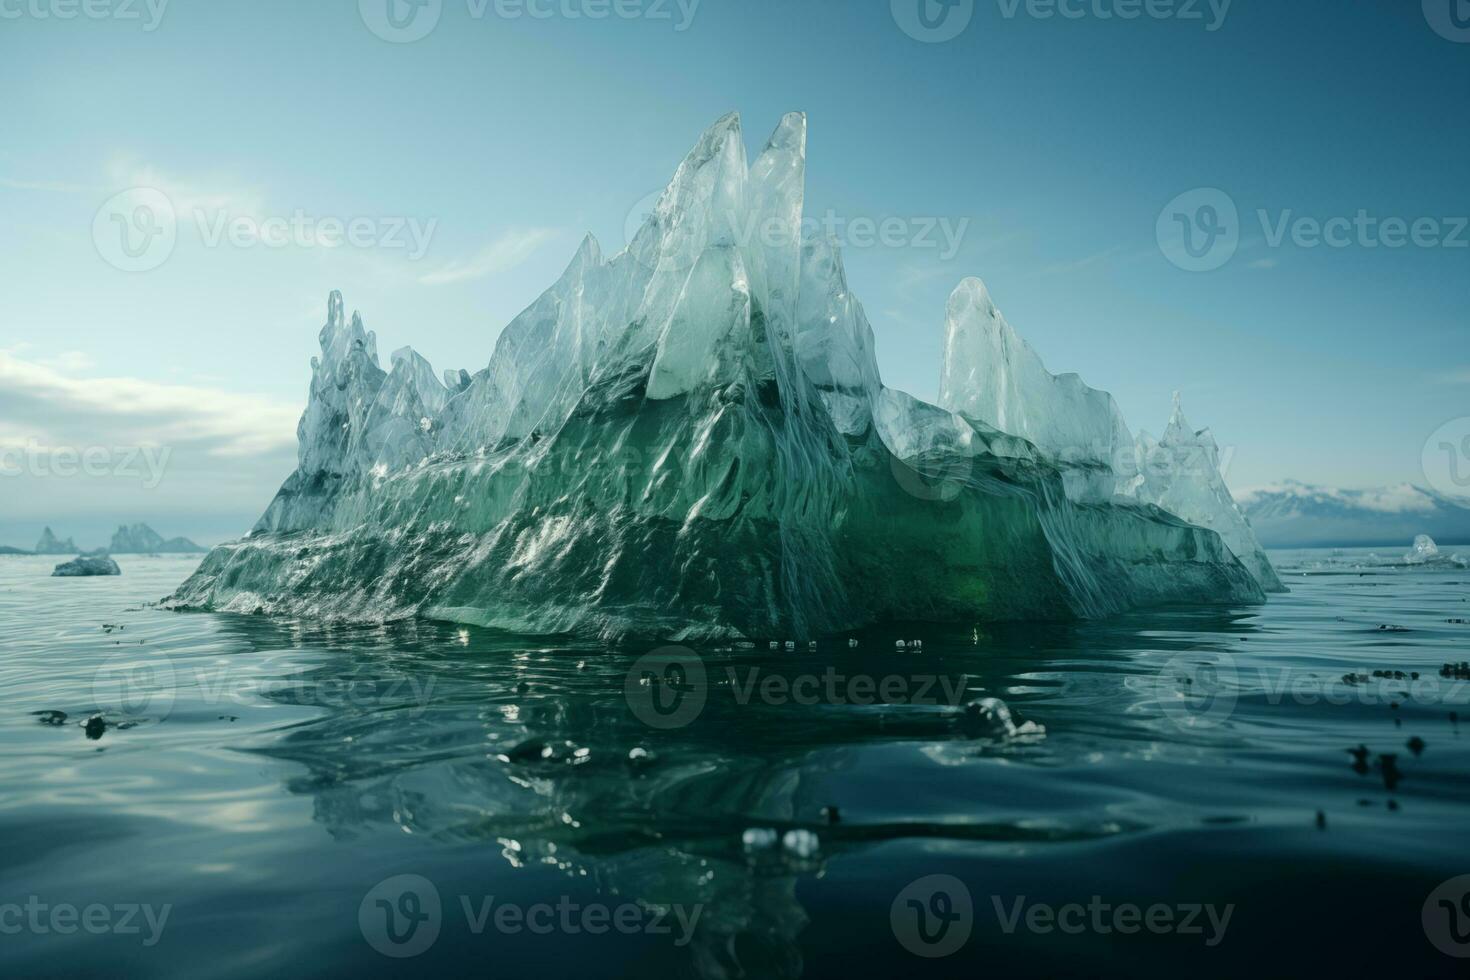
column 973, row 296
column 790, row 135
column 1179, row 430
column 334, row 309
column 589, row 252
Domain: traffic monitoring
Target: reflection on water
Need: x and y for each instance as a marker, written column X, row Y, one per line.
column 264, row 776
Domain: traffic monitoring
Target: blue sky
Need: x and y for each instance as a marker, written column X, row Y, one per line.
column 1054, row 142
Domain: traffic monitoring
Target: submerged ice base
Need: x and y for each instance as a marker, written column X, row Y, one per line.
column 692, row 440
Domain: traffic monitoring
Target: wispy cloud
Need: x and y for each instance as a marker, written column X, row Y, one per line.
column 52, row 186
column 49, row 405
column 505, row 253
column 1458, row 376
column 189, row 194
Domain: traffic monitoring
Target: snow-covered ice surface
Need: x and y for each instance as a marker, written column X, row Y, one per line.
column 692, row 439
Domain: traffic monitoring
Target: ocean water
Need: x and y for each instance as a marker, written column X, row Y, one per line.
column 266, row 797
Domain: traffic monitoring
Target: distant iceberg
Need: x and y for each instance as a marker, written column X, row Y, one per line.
column 140, row 539
column 691, row 439
column 50, row 544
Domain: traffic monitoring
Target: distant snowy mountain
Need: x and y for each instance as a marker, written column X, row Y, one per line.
column 1298, row 515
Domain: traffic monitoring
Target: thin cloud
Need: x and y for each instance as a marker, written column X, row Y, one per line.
column 1459, row 376
column 505, row 253
column 50, row 406
column 52, row 186
column 189, row 195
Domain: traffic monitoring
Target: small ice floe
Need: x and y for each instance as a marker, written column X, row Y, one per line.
column 801, row 844
column 900, row 645
column 811, row 646
column 1423, row 552
column 992, row 718
column 775, row 645
column 790, row 645
column 759, row 839
column 852, row 644
column 78, row 567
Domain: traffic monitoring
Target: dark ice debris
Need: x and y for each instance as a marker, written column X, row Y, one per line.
column 1388, row 764
column 50, row 717
column 1416, row 745
column 94, row 727
column 1360, row 758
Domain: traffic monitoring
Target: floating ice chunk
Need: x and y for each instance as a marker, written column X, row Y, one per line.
column 759, row 839
column 992, row 718
column 1423, row 552
column 79, row 567
column 801, row 843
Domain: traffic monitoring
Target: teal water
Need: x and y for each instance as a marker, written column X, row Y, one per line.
column 270, row 783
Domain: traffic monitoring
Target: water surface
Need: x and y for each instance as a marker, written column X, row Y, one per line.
column 270, row 783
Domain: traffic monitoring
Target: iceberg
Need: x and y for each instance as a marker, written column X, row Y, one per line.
column 691, row 440
column 50, row 544
column 83, row 567
column 1180, row 472
column 140, row 539
column 1424, row 552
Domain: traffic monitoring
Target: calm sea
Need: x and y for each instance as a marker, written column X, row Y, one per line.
column 230, row 796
